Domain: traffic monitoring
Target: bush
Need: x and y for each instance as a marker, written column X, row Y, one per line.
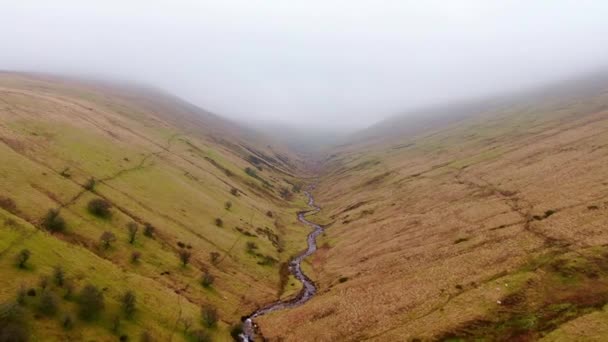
column 48, row 303
column 12, row 323
column 228, row 205
column 100, row 207
column 135, row 257
column 90, row 184
column 58, row 276
column 67, row 322
column 9, row 205
column 91, row 302
column 215, row 257
column 251, row 172
column 43, row 282
column 149, row 230
column 146, row 337
column 269, row 214
column 128, row 303
column 23, row 257
column 209, row 316
column 235, row 331
column 184, row 256
column 251, row 246
column 234, row 191
column 200, row 336
column 53, row 221
column 132, row 228
column 219, row 222
column 207, row 279
column 106, row 239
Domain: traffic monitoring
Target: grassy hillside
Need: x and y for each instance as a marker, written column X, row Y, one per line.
column 490, row 227
column 86, row 165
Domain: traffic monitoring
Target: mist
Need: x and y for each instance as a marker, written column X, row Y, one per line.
column 339, row 65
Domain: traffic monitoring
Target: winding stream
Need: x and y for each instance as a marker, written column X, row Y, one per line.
column 295, row 268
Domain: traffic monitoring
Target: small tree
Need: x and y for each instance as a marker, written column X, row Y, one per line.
column 207, row 279
column 128, row 303
column 23, row 257
column 106, row 239
column 228, row 205
column 58, row 276
column 184, row 256
column 48, row 303
column 135, row 257
column 53, row 221
column 90, row 184
column 215, row 257
column 269, row 213
column 219, row 222
column 149, row 230
column 132, row 227
column 91, row 302
column 100, row 207
column 234, row 191
column 209, row 315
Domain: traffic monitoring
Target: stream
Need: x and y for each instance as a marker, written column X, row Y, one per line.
column 295, row 268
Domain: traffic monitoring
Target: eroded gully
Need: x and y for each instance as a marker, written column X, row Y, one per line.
column 295, row 268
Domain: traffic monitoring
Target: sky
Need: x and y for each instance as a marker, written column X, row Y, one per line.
column 315, row 63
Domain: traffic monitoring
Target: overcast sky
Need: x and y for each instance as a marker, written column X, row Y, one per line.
column 336, row 63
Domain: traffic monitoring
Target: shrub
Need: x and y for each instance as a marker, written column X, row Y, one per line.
column 91, row 302
column 43, row 282
column 67, row 322
column 228, row 205
column 200, row 336
column 149, row 230
column 90, row 184
column 8, row 204
column 132, row 228
column 53, row 221
column 12, row 323
column 100, row 207
column 215, row 257
column 209, row 316
column 146, row 337
column 128, row 303
column 106, row 239
column 251, row 246
column 207, row 279
column 234, row 191
column 21, row 295
column 23, row 257
column 58, row 276
column 286, row 194
column 184, row 256
column 269, row 213
column 219, row 222
column 48, row 303
column 235, row 331
column 343, row 279
column 135, row 256
column 251, row 172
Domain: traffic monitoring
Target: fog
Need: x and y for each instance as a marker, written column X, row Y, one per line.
column 341, row 65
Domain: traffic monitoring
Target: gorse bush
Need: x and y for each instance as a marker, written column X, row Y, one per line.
column 106, row 239
column 207, row 279
column 23, row 257
column 184, row 256
column 53, row 221
column 91, row 302
column 100, row 207
column 149, row 230
column 90, row 184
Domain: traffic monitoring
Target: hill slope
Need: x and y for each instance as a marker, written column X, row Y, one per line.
column 492, row 226
column 156, row 162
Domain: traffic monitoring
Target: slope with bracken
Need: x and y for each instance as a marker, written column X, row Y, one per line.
column 129, row 189
column 490, row 225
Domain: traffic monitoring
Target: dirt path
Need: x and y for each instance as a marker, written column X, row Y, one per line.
column 295, row 268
